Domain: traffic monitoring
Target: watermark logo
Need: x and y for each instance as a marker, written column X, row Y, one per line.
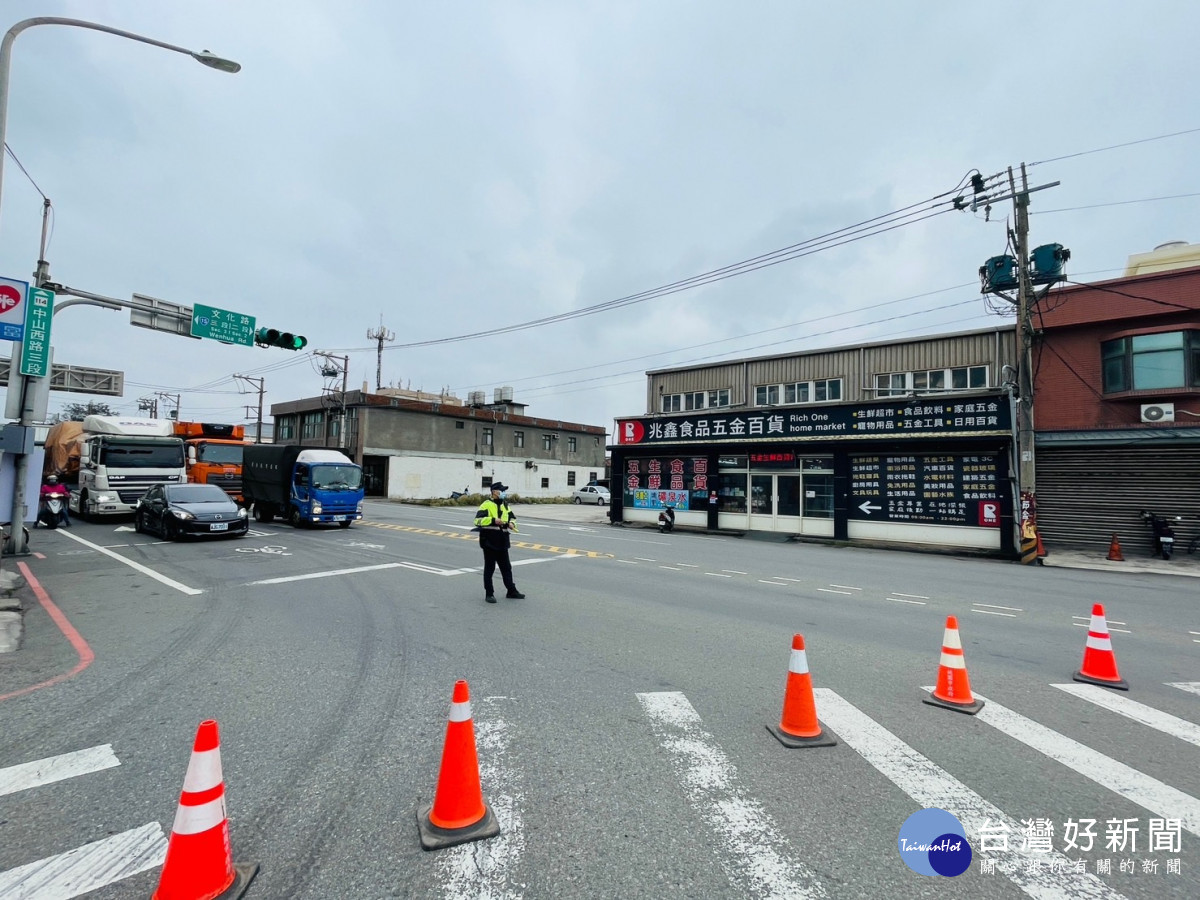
column 933, row 842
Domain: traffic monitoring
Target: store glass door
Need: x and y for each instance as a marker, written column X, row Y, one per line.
column 775, row 503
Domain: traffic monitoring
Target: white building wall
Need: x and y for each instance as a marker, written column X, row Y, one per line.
column 429, row 476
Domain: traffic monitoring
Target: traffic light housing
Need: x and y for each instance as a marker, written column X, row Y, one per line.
column 273, row 337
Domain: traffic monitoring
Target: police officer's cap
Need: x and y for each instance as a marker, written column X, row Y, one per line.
column 497, row 486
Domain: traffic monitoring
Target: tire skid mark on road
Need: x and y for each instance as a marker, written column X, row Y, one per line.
column 932, row 786
column 757, row 855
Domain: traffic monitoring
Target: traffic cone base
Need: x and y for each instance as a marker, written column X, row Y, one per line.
column 435, row 838
column 1099, row 661
column 970, row 708
column 798, row 725
column 1120, row 684
column 794, row 742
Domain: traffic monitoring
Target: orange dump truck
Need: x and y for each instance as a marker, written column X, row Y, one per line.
column 214, row 454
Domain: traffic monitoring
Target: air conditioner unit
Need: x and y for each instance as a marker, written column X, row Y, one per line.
column 1158, row 412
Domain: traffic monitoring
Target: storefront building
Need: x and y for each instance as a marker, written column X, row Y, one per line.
column 772, row 445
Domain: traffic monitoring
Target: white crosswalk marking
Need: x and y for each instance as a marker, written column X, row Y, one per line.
column 931, row 786
column 1139, row 712
column 1192, row 687
column 756, row 854
column 1148, row 793
column 56, row 768
column 87, row 868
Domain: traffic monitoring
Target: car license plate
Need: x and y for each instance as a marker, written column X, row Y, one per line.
column 219, row 526
column 339, row 518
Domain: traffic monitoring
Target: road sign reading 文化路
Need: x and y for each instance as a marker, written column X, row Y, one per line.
column 222, row 325
column 35, row 347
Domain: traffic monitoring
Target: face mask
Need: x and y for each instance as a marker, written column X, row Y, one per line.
column 503, row 494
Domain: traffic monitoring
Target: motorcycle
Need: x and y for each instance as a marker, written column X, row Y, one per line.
column 1164, row 534
column 666, row 520
column 50, row 508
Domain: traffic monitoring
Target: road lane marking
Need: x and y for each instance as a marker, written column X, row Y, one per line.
column 718, row 574
column 989, row 612
column 914, row 596
column 672, row 568
column 330, row 574
column 687, row 565
column 1139, row 712
column 87, row 868
column 470, row 536
column 488, row 868
column 929, row 785
column 735, row 572
column 82, row 650
column 1192, row 687
column 994, row 606
column 757, row 855
column 776, row 583
column 845, row 587
column 831, row 591
column 644, row 559
column 24, row 776
column 785, row 578
column 902, row 600
column 145, row 570
column 1148, row 793
column 1087, row 623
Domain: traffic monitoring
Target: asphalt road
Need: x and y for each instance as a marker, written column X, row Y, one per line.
column 620, row 713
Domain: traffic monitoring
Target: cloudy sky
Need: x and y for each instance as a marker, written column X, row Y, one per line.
column 452, row 169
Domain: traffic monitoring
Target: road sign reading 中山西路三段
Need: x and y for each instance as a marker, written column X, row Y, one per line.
column 222, row 325
column 35, row 346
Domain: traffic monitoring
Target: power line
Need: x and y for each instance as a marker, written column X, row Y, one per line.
column 22, row 168
column 1042, row 212
column 1160, row 137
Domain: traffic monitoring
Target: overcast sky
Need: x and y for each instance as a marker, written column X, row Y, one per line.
column 452, row 168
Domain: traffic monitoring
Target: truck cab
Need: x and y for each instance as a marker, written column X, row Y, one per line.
column 214, row 455
column 305, row 485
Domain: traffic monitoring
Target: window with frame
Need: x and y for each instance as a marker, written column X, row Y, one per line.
column 286, row 427
column 545, row 483
column 310, row 425
column 821, row 390
column 487, row 437
column 891, row 385
column 719, row 397
column 572, row 444
column 671, row 403
column 518, row 439
column 547, row 442
column 693, row 400
column 1142, row 362
column 930, row 381
column 570, row 478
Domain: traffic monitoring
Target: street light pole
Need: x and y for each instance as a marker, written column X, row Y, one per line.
column 17, row 381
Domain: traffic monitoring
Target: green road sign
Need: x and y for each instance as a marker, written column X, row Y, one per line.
column 35, row 348
column 222, row 325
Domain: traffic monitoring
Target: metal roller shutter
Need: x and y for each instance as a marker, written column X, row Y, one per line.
column 1086, row 495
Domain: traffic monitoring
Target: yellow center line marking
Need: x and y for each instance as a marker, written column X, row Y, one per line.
column 469, row 536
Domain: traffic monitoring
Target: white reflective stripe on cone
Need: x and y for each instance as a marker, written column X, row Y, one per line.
column 1099, row 624
column 460, row 712
column 952, row 640
column 798, row 663
column 204, row 771
column 953, row 660
column 198, row 819
column 1099, row 642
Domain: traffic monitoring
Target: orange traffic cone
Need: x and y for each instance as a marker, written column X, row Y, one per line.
column 953, row 689
column 1099, row 660
column 1114, row 550
column 458, row 813
column 799, row 727
column 1041, row 548
column 199, row 863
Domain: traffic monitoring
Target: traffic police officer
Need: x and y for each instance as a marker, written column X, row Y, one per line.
column 495, row 521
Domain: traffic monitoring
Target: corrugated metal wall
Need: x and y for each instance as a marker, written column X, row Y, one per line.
column 1085, row 495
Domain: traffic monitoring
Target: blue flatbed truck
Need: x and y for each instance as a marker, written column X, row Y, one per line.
column 303, row 485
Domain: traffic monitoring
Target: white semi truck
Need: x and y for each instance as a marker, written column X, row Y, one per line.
column 120, row 458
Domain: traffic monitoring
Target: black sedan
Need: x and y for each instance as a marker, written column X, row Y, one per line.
column 178, row 510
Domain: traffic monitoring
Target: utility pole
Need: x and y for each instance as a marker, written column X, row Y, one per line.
column 170, row 397
column 331, row 370
column 148, row 405
column 259, row 387
column 380, row 335
column 1001, row 275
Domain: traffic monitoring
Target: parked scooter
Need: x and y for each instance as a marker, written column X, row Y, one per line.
column 1164, row 534
column 666, row 520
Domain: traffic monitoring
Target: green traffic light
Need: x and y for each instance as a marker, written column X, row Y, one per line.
column 273, row 337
